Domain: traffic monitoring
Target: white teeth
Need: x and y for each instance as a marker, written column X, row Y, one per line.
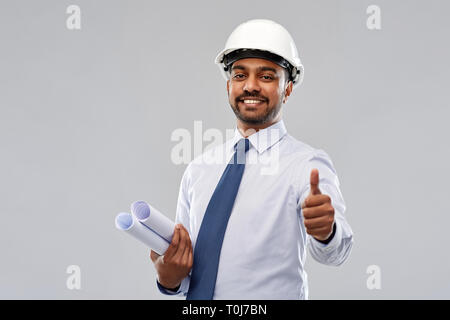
column 252, row 101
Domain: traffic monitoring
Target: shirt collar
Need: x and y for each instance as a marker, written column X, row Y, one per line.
column 263, row 139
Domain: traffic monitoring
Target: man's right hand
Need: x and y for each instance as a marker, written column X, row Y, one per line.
column 176, row 263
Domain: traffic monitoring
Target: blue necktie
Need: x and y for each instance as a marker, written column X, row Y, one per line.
column 214, row 223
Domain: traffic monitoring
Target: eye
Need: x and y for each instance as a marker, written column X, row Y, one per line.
column 237, row 76
column 267, row 77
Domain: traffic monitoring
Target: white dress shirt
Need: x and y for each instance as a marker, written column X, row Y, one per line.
column 264, row 247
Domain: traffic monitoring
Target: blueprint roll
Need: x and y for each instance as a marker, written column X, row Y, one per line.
column 126, row 222
column 153, row 219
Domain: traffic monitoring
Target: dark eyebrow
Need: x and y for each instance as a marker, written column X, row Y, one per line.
column 259, row 69
column 267, row 69
column 238, row 67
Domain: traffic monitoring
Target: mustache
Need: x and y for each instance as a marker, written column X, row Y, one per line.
column 251, row 96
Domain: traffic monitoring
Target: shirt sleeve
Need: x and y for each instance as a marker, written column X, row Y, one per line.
column 181, row 291
column 182, row 216
column 338, row 249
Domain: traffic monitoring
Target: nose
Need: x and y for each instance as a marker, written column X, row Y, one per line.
column 251, row 84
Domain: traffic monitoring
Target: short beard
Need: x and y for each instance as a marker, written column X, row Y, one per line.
column 268, row 115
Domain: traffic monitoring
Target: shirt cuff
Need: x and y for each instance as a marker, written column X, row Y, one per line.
column 334, row 242
column 166, row 290
column 327, row 241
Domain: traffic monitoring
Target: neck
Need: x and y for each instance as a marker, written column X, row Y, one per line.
column 247, row 129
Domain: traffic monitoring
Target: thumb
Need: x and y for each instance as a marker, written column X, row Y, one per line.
column 153, row 256
column 314, row 180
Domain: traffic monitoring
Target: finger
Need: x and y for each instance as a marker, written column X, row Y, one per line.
column 318, row 211
column 182, row 245
column 174, row 244
column 191, row 257
column 315, row 200
column 191, row 249
column 191, row 254
column 314, row 181
column 188, row 240
column 314, row 223
column 188, row 235
column 187, row 252
column 154, row 256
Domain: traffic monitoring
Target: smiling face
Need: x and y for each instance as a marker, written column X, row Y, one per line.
column 256, row 91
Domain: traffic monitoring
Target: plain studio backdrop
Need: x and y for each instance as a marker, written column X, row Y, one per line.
column 87, row 116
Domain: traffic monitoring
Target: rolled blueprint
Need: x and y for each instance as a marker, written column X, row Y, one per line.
column 153, row 219
column 126, row 222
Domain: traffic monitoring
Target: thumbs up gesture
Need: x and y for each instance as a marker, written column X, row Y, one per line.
column 318, row 213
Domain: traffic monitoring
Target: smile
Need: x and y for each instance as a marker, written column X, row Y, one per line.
column 252, row 103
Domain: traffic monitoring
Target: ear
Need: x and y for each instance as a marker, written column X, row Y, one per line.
column 228, row 86
column 287, row 91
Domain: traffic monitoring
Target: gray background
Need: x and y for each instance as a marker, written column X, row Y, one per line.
column 86, row 119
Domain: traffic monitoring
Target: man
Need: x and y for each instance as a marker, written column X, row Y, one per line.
column 250, row 228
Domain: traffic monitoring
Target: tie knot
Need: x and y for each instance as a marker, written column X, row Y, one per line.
column 241, row 144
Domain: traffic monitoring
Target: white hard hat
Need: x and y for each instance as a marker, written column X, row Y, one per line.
column 265, row 39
